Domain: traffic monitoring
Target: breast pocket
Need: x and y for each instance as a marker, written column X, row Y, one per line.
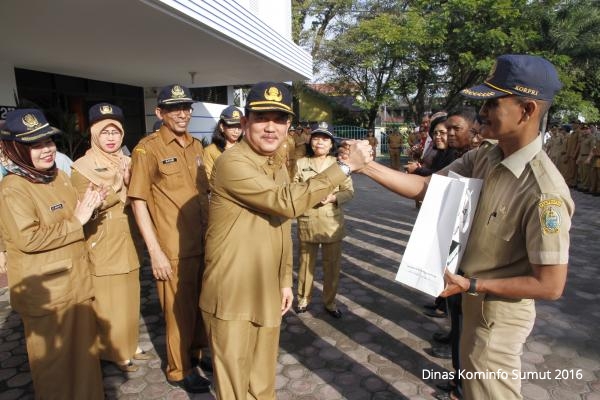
column 500, row 240
column 170, row 174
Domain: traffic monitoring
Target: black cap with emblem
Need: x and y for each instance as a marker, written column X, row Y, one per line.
column 269, row 96
column 27, row 125
column 174, row 94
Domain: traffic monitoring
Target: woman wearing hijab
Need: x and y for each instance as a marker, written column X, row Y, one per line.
column 322, row 226
column 42, row 222
column 114, row 259
column 227, row 133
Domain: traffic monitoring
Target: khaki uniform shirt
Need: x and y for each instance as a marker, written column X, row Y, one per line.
column 47, row 260
column 172, row 180
column 108, row 233
column 300, row 141
column 524, row 212
column 211, row 153
column 322, row 223
column 395, row 141
column 585, row 147
column 248, row 242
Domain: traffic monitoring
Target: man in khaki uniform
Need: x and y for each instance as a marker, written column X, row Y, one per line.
column 168, row 192
column 594, row 164
column 518, row 248
column 395, row 148
column 585, row 147
column 301, row 138
column 248, row 278
column 570, row 169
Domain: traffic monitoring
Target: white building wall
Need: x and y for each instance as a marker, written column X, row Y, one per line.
column 277, row 14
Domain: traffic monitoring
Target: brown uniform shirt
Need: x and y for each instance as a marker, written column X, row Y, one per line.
column 248, row 244
column 211, row 153
column 47, row 259
column 300, row 141
column 524, row 211
column 108, row 233
column 172, row 180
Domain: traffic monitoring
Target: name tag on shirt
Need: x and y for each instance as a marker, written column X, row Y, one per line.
column 100, row 169
column 169, row 160
column 55, row 207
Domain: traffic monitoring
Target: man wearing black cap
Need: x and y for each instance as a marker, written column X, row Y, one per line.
column 519, row 243
column 248, row 277
column 168, row 190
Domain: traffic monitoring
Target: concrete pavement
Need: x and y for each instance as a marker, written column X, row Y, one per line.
column 379, row 348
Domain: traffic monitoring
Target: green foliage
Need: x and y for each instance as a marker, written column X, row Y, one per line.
column 425, row 51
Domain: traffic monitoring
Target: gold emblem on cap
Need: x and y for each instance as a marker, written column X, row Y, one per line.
column 273, row 94
column 177, row 92
column 235, row 114
column 30, row 121
column 106, row 109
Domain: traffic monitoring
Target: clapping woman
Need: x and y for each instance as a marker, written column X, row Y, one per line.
column 42, row 222
column 114, row 260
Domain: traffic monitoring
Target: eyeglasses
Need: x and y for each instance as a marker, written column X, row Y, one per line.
column 111, row 133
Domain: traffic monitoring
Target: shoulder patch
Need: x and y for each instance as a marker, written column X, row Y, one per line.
column 140, row 150
column 550, row 217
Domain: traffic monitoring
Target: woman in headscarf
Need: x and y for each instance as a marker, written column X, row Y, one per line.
column 322, row 226
column 42, row 222
column 227, row 133
column 115, row 261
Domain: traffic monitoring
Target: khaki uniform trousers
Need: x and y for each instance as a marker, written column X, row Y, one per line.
column 583, row 174
column 244, row 358
column 494, row 331
column 63, row 356
column 179, row 299
column 117, row 307
column 571, row 172
column 395, row 158
column 594, row 172
column 332, row 261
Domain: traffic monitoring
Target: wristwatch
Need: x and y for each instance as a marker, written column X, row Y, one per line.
column 472, row 287
column 345, row 168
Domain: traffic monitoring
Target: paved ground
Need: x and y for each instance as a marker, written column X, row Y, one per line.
column 379, row 349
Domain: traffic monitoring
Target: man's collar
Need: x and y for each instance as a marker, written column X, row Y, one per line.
column 259, row 159
column 167, row 136
column 518, row 160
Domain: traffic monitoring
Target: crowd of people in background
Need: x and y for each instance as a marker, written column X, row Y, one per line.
column 74, row 244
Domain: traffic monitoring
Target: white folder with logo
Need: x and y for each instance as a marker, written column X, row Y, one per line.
column 441, row 231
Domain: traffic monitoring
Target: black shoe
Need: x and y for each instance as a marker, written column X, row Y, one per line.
column 334, row 313
column 431, row 306
column 300, row 310
column 441, row 337
column 437, row 313
column 443, row 352
column 206, row 364
column 192, row 384
column 446, row 386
